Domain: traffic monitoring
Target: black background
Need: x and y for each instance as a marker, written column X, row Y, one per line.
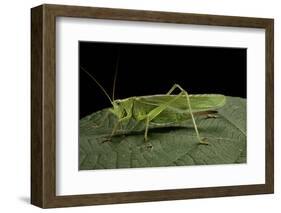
column 147, row 69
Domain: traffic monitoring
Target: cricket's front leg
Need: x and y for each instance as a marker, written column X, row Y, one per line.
column 115, row 128
column 108, row 138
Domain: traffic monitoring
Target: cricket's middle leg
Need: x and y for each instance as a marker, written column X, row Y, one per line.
column 146, row 129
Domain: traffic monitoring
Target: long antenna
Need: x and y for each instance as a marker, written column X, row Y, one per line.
column 115, row 76
column 95, row 80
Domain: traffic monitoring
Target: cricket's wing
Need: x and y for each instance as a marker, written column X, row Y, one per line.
column 200, row 102
column 177, row 108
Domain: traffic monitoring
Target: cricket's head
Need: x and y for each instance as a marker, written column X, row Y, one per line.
column 117, row 109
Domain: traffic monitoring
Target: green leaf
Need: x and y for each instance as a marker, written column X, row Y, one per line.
column 168, row 145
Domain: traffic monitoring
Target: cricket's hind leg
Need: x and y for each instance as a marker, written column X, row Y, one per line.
column 156, row 111
column 176, row 86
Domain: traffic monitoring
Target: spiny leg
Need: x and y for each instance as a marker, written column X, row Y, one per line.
column 155, row 112
column 190, row 110
column 108, row 138
column 117, row 124
column 146, row 129
column 193, row 120
column 128, row 112
column 115, row 128
column 149, row 145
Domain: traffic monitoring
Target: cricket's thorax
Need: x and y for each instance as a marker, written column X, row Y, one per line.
column 130, row 108
column 123, row 108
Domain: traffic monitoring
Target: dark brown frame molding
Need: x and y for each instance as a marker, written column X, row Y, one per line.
column 43, row 106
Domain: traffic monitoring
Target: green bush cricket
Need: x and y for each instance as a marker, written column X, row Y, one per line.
column 162, row 109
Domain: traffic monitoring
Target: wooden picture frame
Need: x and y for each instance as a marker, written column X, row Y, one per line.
column 43, row 105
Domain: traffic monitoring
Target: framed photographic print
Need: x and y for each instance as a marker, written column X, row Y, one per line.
column 135, row 106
